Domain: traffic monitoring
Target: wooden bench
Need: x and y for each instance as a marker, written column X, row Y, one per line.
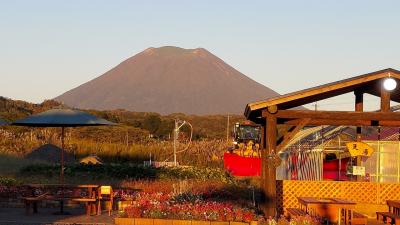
column 388, row 217
column 85, row 193
column 294, row 212
column 359, row 219
column 90, row 204
column 31, row 203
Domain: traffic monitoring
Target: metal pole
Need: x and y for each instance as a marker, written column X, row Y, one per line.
column 175, row 134
column 227, row 130
column 62, row 171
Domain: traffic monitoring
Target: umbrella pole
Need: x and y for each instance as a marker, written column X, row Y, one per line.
column 62, row 173
column 62, row 157
column 61, row 212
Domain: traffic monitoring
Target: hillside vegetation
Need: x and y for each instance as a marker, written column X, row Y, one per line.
column 138, row 137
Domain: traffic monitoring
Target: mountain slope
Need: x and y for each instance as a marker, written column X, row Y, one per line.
column 169, row 80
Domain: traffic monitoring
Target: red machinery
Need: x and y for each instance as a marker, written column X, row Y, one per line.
column 243, row 158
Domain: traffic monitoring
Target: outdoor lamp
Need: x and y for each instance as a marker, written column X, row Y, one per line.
column 389, row 84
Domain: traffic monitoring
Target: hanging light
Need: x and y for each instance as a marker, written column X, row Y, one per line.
column 389, row 84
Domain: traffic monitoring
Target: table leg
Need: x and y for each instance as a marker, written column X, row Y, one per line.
column 98, row 205
column 61, row 207
column 61, row 212
column 35, row 207
column 351, row 215
column 90, row 194
column 88, row 209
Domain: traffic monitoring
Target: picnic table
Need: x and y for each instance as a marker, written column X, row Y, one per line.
column 393, row 216
column 329, row 208
column 394, row 206
column 63, row 193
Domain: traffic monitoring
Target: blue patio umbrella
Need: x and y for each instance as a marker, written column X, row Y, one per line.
column 3, row 122
column 62, row 118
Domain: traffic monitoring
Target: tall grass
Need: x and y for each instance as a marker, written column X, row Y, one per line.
column 16, row 144
column 11, row 165
column 199, row 153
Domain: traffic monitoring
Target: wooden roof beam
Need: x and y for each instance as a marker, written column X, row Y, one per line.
column 336, row 115
column 368, row 83
column 342, row 122
column 290, row 135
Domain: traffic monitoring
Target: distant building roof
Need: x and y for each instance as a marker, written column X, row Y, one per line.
column 94, row 160
column 49, row 153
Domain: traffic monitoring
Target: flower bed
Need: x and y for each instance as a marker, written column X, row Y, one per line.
column 186, row 207
column 144, row 221
column 12, row 192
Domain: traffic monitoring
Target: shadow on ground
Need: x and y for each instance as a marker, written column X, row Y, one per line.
column 14, row 216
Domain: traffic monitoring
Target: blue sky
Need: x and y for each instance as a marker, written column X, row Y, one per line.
column 49, row 47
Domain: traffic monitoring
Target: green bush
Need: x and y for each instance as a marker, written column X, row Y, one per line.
column 5, row 181
column 129, row 171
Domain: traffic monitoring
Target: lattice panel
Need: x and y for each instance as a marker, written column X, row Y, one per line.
column 388, row 191
column 360, row 192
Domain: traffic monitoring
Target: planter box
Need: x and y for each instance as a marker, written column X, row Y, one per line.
column 181, row 222
column 162, row 222
column 124, row 221
column 146, row 221
column 221, row 223
column 197, row 222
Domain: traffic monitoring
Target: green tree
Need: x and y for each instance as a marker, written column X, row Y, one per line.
column 152, row 123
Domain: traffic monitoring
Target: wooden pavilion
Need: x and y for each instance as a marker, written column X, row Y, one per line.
column 279, row 111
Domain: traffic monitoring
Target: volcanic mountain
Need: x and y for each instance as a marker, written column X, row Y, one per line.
column 169, row 80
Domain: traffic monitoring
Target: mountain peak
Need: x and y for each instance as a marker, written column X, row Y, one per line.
column 172, row 50
column 169, row 80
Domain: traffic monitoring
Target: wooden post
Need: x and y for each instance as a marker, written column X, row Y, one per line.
column 269, row 184
column 263, row 155
column 359, row 107
column 263, row 136
column 385, row 99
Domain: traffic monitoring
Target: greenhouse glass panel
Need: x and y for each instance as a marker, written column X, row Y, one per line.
column 390, row 147
column 388, row 164
column 370, row 164
column 388, row 179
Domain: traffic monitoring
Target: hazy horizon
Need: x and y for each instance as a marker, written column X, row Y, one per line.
column 286, row 46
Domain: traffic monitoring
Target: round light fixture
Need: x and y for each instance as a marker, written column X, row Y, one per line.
column 389, row 84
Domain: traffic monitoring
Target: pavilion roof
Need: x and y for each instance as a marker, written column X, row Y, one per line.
column 368, row 83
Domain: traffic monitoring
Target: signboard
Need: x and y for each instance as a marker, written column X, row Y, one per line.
column 359, row 170
column 355, row 170
column 359, row 149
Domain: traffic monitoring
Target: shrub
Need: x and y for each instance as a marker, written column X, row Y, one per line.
column 5, row 181
column 129, row 171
